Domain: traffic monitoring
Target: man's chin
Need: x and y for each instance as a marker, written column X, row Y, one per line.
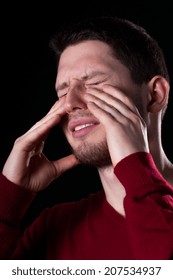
column 95, row 155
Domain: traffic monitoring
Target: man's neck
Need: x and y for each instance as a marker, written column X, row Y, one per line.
column 113, row 189
column 164, row 165
column 162, row 162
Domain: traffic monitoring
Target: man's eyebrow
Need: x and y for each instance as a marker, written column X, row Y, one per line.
column 92, row 74
column 61, row 86
column 84, row 77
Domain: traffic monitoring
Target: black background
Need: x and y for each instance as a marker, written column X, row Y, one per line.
column 28, row 74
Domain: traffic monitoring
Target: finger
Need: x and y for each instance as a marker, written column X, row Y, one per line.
column 119, row 94
column 102, row 113
column 105, row 113
column 113, row 107
column 111, row 95
column 58, row 105
column 39, row 132
column 65, row 164
column 30, row 139
column 38, row 149
column 47, row 119
column 122, row 96
column 112, row 101
column 56, row 111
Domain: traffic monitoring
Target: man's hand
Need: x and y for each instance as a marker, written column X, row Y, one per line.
column 126, row 131
column 26, row 165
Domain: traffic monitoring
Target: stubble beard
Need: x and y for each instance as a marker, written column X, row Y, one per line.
column 95, row 155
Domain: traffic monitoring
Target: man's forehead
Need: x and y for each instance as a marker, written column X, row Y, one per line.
column 89, row 47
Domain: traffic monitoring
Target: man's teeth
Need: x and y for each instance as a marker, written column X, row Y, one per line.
column 82, row 126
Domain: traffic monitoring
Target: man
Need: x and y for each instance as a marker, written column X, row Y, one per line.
column 112, row 86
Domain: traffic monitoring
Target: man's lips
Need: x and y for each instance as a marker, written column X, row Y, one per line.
column 76, row 125
column 82, row 126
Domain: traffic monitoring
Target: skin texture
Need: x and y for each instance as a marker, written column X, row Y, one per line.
column 26, row 165
column 94, row 88
column 100, row 84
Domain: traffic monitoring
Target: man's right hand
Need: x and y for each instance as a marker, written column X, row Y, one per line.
column 26, row 165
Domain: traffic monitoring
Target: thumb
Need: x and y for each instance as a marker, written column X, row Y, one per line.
column 65, row 163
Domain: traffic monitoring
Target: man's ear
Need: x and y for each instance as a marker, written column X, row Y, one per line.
column 159, row 92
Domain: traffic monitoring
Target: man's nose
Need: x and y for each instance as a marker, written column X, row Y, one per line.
column 75, row 98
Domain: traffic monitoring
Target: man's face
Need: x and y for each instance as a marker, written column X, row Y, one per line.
column 83, row 67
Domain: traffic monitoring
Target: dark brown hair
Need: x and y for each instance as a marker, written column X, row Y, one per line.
column 131, row 44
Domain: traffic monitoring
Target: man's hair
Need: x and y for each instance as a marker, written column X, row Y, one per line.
column 130, row 43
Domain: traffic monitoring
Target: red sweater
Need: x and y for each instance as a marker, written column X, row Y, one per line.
column 91, row 228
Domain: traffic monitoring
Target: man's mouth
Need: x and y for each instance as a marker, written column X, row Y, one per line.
column 79, row 127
